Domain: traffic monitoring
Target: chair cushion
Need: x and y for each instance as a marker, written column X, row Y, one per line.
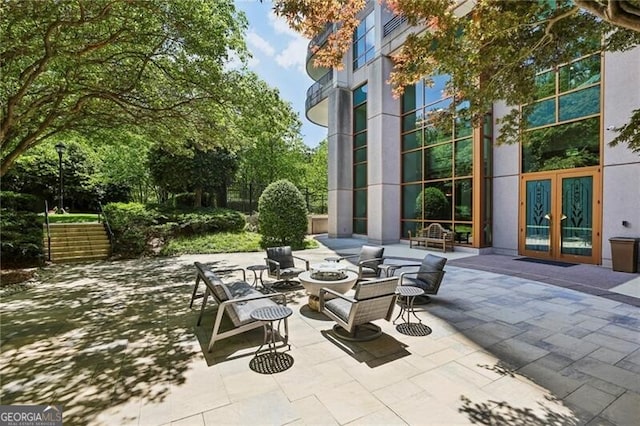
column 282, row 255
column 339, row 307
column 368, row 253
column 240, row 313
column 290, row 272
column 429, row 265
column 215, row 284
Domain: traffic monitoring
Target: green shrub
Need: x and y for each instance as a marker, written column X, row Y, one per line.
column 283, row 215
column 21, row 239
column 21, row 202
column 135, row 225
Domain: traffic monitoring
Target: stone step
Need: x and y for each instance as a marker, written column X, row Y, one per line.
column 80, row 259
column 77, row 242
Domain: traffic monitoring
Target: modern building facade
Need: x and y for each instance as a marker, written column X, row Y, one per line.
column 559, row 196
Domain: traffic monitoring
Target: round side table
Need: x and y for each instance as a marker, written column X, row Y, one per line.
column 272, row 361
column 255, row 269
column 407, row 295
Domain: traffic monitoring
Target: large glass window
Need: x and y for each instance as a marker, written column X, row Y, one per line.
column 563, row 126
column 360, row 160
column 437, row 160
column 364, row 41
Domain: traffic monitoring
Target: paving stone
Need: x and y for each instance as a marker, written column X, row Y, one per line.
column 607, row 355
column 348, row 402
column 624, row 411
column 608, row 341
column 590, row 399
column 266, row 408
column 567, row 346
column 609, row 373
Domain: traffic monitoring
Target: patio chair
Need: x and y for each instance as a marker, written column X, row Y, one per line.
column 237, row 299
column 369, row 258
column 428, row 277
column 373, row 300
column 281, row 266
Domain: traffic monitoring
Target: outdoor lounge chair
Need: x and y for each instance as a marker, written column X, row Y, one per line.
column 281, row 266
column 373, row 300
column 428, row 277
column 237, row 299
column 369, row 258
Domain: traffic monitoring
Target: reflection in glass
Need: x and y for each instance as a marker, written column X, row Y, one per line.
column 360, row 95
column 435, row 201
column 545, row 84
column 464, row 157
column 540, row 113
column 463, row 233
column 360, row 226
column 409, row 122
column 538, row 196
column 577, row 222
column 410, row 226
column 564, row 146
column 463, row 199
column 410, row 194
column 438, row 161
column 437, row 91
column 360, row 155
column 412, row 166
column 412, row 140
column 463, row 126
column 579, row 104
column 579, row 74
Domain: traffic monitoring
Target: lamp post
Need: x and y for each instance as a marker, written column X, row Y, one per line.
column 60, row 148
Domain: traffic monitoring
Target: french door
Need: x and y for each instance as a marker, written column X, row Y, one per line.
column 560, row 216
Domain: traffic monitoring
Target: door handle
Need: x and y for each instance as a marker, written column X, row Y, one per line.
column 548, row 217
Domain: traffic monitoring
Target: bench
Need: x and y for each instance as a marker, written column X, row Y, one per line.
column 237, row 299
column 432, row 235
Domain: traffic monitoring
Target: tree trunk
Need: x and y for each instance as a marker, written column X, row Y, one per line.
column 221, row 196
column 197, row 202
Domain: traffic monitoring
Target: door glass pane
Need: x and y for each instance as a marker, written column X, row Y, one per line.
column 537, row 207
column 576, row 234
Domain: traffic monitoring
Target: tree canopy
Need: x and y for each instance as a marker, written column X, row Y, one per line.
column 492, row 53
column 80, row 65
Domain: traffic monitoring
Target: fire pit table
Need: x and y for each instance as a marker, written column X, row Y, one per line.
column 330, row 275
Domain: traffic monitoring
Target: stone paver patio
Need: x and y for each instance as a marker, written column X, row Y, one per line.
column 115, row 343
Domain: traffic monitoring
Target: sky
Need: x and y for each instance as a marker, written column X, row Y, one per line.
column 279, row 55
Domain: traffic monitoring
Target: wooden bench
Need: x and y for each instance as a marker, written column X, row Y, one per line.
column 433, row 235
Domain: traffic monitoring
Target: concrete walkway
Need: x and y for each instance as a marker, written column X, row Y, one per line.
column 115, row 343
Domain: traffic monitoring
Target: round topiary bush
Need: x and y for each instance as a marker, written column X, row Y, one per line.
column 283, row 215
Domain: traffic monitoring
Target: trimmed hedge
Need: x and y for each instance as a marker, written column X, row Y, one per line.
column 282, row 215
column 21, row 235
column 140, row 229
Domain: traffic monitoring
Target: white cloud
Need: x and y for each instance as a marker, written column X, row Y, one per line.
column 294, row 55
column 259, row 43
column 280, row 26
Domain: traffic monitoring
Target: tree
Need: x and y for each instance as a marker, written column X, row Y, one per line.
column 194, row 170
column 492, row 53
column 82, row 65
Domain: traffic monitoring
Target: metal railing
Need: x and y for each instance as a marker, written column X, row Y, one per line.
column 105, row 222
column 394, row 23
column 46, row 221
column 319, row 90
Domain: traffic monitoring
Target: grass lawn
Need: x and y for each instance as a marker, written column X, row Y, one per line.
column 73, row 217
column 224, row 242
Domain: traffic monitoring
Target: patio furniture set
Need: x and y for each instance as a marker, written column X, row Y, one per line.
column 374, row 297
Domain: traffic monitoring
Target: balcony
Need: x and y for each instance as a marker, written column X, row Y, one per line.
column 316, row 105
column 317, row 72
column 393, row 24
